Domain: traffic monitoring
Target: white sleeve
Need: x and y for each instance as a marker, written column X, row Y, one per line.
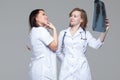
column 45, row 37
column 92, row 42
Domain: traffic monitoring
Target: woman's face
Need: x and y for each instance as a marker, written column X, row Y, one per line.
column 42, row 18
column 75, row 18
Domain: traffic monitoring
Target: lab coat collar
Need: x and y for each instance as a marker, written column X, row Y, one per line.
column 80, row 30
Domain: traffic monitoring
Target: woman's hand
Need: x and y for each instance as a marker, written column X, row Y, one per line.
column 107, row 24
column 103, row 35
column 54, row 44
column 50, row 26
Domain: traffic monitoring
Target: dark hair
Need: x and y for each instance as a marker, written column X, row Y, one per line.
column 83, row 16
column 32, row 18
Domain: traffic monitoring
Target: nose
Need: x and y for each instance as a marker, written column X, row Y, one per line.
column 72, row 17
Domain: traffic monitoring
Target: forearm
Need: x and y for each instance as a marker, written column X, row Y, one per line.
column 54, row 44
column 55, row 37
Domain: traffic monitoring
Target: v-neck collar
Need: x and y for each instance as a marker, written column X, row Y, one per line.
column 80, row 30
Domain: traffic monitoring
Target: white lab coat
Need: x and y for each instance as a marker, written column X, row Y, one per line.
column 43, row 60
column 74, row 63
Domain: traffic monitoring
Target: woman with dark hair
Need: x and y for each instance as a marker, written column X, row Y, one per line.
column 72, row 47
column 43, row 47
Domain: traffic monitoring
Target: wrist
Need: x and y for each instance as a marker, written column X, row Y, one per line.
column 53, row 28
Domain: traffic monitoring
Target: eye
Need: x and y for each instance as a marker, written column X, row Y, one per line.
column 44, row 14
column 75, row 16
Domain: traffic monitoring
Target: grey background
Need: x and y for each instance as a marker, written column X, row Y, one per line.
column 14, row 57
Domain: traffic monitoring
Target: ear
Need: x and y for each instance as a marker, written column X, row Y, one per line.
column 36, row 19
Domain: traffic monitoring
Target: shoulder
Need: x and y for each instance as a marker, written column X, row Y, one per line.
column 61, row 34
column 88, row 34
column 42, row 29
column 38, row 30
column 63, row 31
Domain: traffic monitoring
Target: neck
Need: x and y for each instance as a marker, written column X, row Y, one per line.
column 74, row 29
column 40, row 24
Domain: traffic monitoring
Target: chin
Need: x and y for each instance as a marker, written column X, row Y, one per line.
column 72, row 24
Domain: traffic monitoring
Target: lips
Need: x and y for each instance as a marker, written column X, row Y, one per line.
column 71, row 21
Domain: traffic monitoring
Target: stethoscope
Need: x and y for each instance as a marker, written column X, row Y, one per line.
column 83, row 38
